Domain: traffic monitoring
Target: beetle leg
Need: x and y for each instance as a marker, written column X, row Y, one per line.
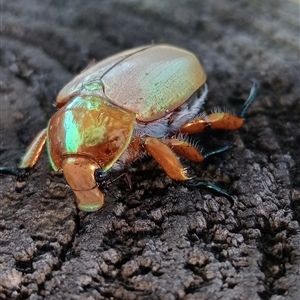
column 31, row 156
column 185, row 149
column 34, row 150
column 79, row 173
column 13, row 171
column 209, row 186
column 251, row 98
column 223, row 120
column 166, row 158
column 33, row 153
column 188, row 151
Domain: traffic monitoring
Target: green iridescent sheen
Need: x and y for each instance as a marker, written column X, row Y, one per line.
column 93, row 86
column 87, row 102
column 153, row 82
column 89, row 208
column 54, row 167
column 89, row 126
column 73, row 138
column 77, row 134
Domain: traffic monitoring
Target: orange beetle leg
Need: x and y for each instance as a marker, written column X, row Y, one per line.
column 221, row 120
column 34, row 150
column 166, row 158
column 185, row 149
column 195, row 126
column 79, row 173
column 225, row 121
column 216, row 121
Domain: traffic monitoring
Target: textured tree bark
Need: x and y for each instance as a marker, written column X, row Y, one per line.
column 158, row 240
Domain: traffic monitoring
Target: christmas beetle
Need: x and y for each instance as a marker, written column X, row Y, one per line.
column 141, row 101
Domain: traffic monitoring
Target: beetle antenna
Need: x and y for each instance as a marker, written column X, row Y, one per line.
column 20, row 173
column 251, row 98
column 211, row 187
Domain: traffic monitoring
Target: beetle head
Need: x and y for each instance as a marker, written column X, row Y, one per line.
column 79, row 172
column 102, row 178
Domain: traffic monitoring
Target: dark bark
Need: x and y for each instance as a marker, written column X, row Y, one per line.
column 158, row 240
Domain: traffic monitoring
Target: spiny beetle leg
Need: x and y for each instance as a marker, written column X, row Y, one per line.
column 221, row 120
column 187, row 150
column 166, row 158
column 194, row 182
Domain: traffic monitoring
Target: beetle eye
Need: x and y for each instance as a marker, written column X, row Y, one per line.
column 101, row 177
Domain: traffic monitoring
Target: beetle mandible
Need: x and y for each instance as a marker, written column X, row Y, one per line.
column 144, row 100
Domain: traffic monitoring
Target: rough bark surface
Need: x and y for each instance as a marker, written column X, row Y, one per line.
column 158, row 240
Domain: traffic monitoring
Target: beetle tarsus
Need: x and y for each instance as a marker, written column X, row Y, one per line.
column 217, row 151
column 211, row 187
column 251, row 98
column 20, row 173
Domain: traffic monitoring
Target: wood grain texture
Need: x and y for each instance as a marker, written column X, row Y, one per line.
column 158, row 240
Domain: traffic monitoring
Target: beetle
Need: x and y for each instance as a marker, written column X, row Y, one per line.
column 141, row 101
